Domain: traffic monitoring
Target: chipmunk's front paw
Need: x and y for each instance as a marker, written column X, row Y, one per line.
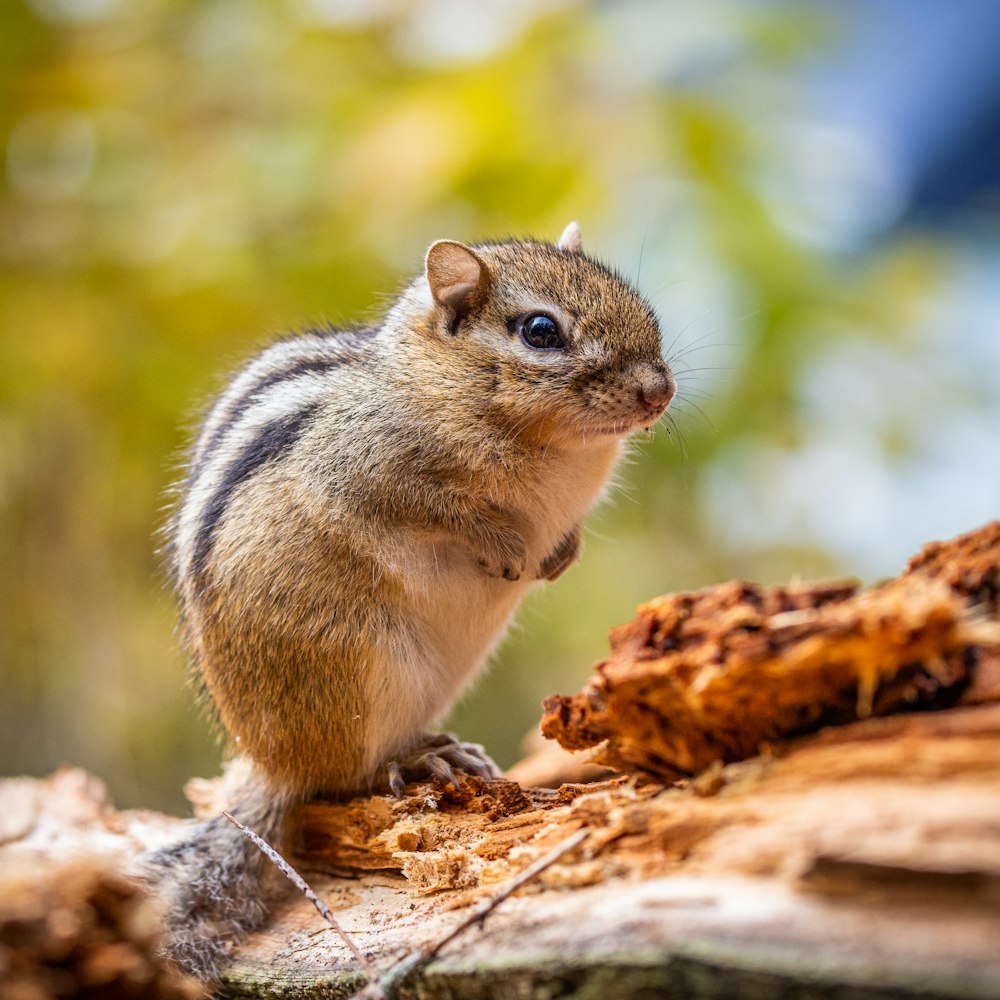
column 500, row 545
column 509, row 570
column 438, row 755
column 506, row 559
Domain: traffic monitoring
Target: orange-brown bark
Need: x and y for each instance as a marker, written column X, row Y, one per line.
column 719, row 674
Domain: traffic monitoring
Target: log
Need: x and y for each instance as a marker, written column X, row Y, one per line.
column 863, row 861
column 857, row 860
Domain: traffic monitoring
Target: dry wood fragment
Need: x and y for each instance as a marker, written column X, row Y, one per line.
column 78, row 928
column 72, row 923
column 720, row 673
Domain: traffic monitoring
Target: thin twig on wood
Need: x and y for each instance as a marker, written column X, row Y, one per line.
column 303, row 886
column 386, row 984
column 487, row 906
column 381, row 987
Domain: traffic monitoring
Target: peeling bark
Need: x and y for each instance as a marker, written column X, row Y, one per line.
column 720, row 673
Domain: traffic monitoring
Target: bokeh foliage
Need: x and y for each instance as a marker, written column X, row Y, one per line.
column 183, row 179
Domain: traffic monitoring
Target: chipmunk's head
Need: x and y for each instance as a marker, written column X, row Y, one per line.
column 568, row 350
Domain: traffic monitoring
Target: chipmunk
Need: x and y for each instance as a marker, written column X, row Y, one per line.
column 363, row 511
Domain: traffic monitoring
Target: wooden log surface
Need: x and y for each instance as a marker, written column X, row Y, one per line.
column 859, row 861
column 866, row 858
column 863, row 861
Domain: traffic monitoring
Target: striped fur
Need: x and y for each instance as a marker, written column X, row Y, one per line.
column 351, row 491
column 274, row 388
column 365, row 509
column 270, row 441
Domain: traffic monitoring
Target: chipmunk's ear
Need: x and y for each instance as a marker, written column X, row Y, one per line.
column 456, row 275
column 571, row 239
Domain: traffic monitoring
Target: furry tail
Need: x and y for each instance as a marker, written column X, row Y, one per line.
column 216, row 885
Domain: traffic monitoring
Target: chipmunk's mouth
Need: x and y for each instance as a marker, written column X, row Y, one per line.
column 622, row 427
column 639, row 413
column 636, row 421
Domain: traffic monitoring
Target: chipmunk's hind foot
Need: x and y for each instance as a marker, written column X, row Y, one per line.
column 439, row 756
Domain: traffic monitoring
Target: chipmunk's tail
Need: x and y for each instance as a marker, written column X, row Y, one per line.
column 215, row 884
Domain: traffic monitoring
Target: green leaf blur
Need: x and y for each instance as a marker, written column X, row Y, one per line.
column 182, row 180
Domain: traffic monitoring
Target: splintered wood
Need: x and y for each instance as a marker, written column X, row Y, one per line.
column 722, row 673
column 916, row 792
column 838, row 862
column 72, row 922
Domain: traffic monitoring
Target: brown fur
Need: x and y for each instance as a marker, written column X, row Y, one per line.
column 365, row 514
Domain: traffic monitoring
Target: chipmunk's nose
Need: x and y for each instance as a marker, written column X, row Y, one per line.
column 656, row 386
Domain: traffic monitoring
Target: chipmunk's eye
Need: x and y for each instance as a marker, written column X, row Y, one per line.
column 540, row 332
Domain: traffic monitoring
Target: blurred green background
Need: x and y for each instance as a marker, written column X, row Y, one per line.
column 182, row 179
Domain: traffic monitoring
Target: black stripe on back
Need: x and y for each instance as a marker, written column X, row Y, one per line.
column 253, row 394
column 350, row 334
column 274, row 439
